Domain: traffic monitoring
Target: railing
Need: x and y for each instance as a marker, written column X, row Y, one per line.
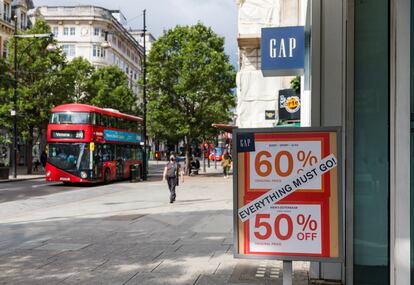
column 77, row 11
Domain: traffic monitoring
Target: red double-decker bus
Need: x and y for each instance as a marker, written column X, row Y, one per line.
column 91, row 144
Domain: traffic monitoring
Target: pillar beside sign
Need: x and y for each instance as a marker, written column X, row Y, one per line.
column 287, row 198
column 283, row 51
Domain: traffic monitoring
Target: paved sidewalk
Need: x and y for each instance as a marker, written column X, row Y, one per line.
column 22, row 176
column 129, row 233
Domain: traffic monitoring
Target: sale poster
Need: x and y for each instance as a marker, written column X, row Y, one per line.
column 287, row 198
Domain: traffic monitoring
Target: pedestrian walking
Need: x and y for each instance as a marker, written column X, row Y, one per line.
column 43, row 159
column 172, row 171
column 36, row 163
column 226, row 164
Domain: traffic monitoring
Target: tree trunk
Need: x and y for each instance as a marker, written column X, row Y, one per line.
column 29, row 150
column 187, row 158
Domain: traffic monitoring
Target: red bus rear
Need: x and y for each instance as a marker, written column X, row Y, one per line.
column 91, row 144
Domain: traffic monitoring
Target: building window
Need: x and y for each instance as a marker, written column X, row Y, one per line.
column 5, row 50
column 22, row 21
column 69, row 31
column 55, row 31
column 97, row 51
column 69, row 50
column 371, row 149
column 96, row 31
column 6, row 12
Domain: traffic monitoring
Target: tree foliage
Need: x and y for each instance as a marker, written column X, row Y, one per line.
column 76, row 77
column 108, row 87
column 38, row 80
column 189, row 84
column 46, row 79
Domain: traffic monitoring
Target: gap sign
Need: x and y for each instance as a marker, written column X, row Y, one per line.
column 283, row 51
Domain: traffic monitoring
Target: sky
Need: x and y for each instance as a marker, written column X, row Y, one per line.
column 220, row 15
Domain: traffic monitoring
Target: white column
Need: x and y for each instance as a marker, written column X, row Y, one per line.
column 400, row 143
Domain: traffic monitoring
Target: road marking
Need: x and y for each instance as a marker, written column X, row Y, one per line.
column 10, row 189
column 45, row 184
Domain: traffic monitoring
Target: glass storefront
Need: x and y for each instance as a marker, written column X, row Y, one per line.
column 371, row 142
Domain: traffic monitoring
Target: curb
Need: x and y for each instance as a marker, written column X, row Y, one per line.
column 21, row 179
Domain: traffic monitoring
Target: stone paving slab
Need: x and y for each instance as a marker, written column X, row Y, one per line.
column 99, row 277
column 129, row 235
column 163, row 278
column 62, row 246
column 216, row 279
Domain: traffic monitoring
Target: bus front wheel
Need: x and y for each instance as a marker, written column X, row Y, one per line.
column 107, row 176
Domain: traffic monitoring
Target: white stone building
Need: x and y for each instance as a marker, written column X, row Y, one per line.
column 82, row 30
column 257, row 93
column 149, row 39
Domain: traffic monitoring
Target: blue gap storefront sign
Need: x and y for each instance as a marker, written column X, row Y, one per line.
column 110, row 135
column 283, row 51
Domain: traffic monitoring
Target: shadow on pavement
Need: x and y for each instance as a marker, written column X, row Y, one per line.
column 172, row 248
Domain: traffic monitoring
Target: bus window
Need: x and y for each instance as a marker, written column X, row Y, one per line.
column 104, row 121
column 127, row 152
column 112, row 122
column 70, row 118
column 83, row 162
column 108, row 152
column 93, row 118
column 134, row 152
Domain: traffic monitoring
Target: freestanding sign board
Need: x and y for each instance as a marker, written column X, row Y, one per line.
column 287, row 198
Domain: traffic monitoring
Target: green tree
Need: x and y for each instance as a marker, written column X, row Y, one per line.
column 295, row 84
column 108, row 88
column 5, row 85
column 189, row 85
column 76, row 77
column 38, row 85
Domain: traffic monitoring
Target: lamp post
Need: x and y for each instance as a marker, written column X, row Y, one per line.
column 13, row 112
column 15, row 63
column 144, row 97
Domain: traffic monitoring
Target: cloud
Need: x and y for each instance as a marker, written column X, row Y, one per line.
column 220, row 15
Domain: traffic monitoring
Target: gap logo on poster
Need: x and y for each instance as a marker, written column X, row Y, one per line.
column 283, row 51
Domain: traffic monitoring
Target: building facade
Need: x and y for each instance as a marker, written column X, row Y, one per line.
column 9, row 9
column 149, row 39
column 360, row 76
column 96, row 34
column 259, row 94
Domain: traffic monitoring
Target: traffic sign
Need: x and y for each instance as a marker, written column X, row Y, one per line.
column 287, row 203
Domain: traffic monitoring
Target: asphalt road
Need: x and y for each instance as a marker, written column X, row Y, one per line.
column 19, row 190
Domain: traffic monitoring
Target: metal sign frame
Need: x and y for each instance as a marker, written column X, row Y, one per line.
column 341, row 206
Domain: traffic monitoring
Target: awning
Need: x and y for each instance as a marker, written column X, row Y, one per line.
column 225, row 127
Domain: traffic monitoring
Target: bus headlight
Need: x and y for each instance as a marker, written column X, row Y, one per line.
column 84, row 174
column 48, row 173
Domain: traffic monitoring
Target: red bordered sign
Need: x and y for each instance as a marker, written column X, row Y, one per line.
column 307, row 224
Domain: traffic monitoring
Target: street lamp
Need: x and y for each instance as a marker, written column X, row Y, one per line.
column 144, row 97
column 13, row 112
column 106, row 44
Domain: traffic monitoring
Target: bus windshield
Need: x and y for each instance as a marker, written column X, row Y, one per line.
column 71, row 118
column 69, row 156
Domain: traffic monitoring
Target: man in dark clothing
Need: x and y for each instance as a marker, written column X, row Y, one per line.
column 43, row 159
column 172, row 171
